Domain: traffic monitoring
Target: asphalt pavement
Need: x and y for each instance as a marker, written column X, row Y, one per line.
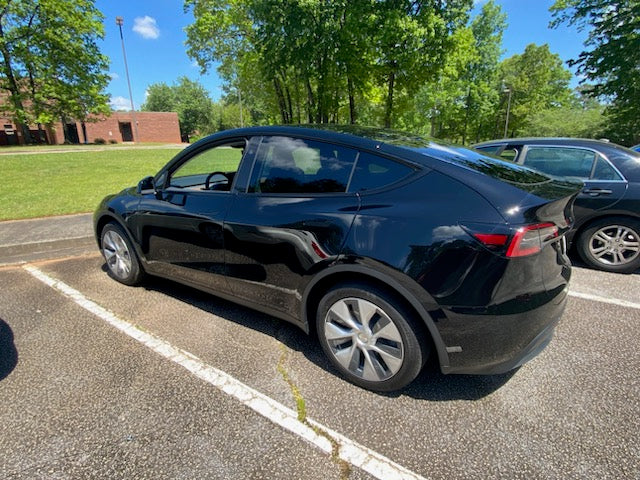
column 82, row 399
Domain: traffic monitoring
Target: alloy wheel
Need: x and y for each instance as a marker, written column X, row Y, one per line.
column 363, row 339
column 117, row 254
column 615, row 245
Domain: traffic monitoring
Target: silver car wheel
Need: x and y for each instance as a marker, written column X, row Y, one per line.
column 615, row 245
column 117, row 254
column 363, row 339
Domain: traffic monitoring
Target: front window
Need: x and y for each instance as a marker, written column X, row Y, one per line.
column 210, row 169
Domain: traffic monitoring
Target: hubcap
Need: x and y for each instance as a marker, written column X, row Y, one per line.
column 363, row 339
column 615, row 245
column 116, row 254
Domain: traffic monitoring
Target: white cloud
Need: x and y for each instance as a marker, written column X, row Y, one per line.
column 114, row 75
column 120, row 103
column 146, row 27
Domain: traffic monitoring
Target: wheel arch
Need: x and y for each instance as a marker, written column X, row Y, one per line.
column 324, row 281
column 600, row 216
column 102, row 222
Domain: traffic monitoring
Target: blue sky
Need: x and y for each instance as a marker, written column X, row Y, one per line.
column 154, row 40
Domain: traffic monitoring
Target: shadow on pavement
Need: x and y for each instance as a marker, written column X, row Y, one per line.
column 8, row 352
column 431, row 384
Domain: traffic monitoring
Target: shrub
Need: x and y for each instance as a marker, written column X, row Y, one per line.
column 99, row 141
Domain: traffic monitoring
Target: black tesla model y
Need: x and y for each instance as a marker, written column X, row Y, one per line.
column 389, row 246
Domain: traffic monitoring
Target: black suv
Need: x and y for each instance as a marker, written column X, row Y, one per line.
column 606, row 234
column 387, row 245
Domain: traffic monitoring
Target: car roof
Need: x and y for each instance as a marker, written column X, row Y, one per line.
column 569, row 141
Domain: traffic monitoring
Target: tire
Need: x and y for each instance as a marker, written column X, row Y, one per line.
column 370, row 338
column 611, row 244
column 122, row 262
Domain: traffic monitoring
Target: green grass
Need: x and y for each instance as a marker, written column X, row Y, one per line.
column 47, row 184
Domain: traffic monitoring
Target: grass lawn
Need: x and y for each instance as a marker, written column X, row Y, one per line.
column 47, row 184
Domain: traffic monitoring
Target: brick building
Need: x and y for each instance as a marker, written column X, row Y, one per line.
column 161, row 127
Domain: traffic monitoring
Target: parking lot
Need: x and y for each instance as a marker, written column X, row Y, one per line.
column 100, row 380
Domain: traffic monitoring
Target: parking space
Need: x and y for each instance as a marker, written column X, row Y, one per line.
column 83, row 399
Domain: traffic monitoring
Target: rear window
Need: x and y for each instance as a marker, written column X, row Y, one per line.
column 373, row 171
column 627, row 163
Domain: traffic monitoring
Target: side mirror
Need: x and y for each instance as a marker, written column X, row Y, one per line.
column 145, row 184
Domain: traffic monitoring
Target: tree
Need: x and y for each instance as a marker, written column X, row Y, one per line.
column 186, row 97
column 537, row 81
column 462, row 101
column 51, row 65
column 611, row 59
column 582, row 117
column 317, row 59
column 160, row 97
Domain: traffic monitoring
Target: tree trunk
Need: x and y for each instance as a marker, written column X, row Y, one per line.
column 14, row 90
column 352, row 101
column 281, row 101
column 310, row 101
column 389, row 106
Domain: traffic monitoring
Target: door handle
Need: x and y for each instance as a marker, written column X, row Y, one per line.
column 594, row 192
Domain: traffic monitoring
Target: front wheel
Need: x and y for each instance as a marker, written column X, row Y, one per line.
column 370, row 338
column 611, row 244
column 120, row 256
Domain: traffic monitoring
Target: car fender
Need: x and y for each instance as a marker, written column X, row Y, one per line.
column 342, row 271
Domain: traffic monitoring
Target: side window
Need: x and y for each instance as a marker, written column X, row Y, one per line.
column 373, row 171
column 559, row 161
column 210, row 169
column 510, row 153
column 492, row 149
column 294, row 165
column 604, row 171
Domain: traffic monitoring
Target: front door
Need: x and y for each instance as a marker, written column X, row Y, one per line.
column 181, row 224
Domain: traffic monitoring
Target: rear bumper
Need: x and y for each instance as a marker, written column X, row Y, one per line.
column 494, row 344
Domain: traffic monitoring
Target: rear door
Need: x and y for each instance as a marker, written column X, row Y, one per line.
column 291, row 221
column 603, row 184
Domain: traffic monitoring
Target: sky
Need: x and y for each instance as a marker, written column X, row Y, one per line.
column 154, row 39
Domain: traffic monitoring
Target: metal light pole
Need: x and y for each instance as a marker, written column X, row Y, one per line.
column 506, row 122
column 136, row 138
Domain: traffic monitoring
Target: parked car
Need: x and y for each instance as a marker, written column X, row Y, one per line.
column 386, row 245
column 607, row 228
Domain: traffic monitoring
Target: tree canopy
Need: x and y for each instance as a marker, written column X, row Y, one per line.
column 611, row 60
column 318, row 58
column 186, row 97
column 424, row 66
column 51, row 65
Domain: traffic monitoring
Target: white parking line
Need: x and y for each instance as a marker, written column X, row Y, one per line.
column 611, row 301
column 349, row 451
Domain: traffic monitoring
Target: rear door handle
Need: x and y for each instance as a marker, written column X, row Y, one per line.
column 594, row 192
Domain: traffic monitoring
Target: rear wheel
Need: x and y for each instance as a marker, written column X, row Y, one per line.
column 370, row 338
column 120, row 256
column 611, row 244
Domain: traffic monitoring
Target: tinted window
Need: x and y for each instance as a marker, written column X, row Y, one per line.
column 373, row 171
column 604, row 171
column 291, row 165
column 492, row 149
column 561, row 161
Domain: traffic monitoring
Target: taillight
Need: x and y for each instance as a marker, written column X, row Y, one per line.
column 527, row 240
column 531, row 238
